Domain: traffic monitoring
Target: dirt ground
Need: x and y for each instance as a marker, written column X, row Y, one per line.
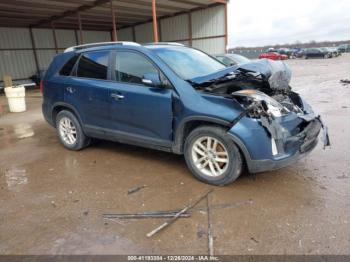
column 52, row 199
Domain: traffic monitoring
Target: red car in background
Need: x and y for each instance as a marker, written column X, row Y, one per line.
column 273, row 56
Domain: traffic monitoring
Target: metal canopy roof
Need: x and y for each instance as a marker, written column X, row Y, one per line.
column 94, row 14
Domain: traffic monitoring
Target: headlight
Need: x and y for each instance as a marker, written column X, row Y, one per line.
column 275, row 108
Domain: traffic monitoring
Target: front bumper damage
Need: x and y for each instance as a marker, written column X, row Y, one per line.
column 286, row 148
column 304, row 142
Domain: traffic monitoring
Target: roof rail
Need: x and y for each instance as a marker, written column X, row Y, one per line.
column 165, row 43
column 78, row 47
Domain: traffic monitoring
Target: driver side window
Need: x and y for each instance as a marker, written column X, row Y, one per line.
column 130, row 67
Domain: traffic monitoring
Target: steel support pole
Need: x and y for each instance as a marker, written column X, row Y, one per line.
column 80, row 29
column 133, row 34
column 76, row 37
column 34, row 50
column 226, row 28
column 114, row 31
column 190, row 27
column 155, row 25
column 54, row 36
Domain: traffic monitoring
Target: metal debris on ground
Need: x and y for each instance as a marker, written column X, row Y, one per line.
column 156, row 214
column 135, row 189
column 210, row 233
column 174, row 218
column 254, row 240
column 116, row 220
column 172, row 213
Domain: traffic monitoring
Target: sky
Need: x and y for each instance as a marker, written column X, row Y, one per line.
column 268, row 22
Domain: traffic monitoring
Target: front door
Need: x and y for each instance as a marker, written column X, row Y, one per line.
column 138, row 111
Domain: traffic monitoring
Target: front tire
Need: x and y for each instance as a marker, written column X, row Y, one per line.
column 212, row 156
column 70, row 132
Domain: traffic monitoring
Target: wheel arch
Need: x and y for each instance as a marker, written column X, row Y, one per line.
column 188, row 124
column 57, row 107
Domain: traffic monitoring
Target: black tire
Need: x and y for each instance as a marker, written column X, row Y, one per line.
column 235, row 163
column 81, row 140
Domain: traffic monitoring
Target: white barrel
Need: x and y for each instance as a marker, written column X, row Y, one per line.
column 16, row 98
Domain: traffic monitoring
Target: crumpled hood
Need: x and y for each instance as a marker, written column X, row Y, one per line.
column 276, row 73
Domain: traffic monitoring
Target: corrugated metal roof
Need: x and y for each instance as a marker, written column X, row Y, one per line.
column 95, row 14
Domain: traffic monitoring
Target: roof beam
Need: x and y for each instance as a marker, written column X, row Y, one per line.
column 221, row 1
column 189, row 2
column 39, row 10
column 20, row 14
column 48, row 4
column 93, row 16
column 148, row 6
column 91, row 21
column 71, row 12
column 106, row 12
column 133, row 10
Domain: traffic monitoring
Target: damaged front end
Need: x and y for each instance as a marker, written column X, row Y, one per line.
column 275, row 125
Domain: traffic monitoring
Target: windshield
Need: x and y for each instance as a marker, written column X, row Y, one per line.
column 187, row 62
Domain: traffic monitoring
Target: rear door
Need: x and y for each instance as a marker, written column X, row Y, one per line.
column 87, row 89
column 55, row 83
column 141, row 112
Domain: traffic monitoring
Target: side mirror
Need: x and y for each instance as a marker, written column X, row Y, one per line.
column 152, row 79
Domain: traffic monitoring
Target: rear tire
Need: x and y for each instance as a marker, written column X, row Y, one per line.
column 212, row 156
column 70, row 132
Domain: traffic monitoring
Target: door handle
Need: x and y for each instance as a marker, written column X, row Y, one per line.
column 117, row 96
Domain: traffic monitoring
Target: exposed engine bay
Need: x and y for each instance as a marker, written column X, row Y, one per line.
column 262, row 89
column 248, row 84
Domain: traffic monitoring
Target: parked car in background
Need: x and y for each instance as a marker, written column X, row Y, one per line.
column 298, row 52
column 232, row 59
column 327, row 51
column 273, row 56
column 178, row 99
column 285, row 51
column 344, row 48
column 334, row 51
column 316, row 53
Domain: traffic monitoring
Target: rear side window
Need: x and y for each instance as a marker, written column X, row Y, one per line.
column 93, row 65
column 130, row 67
column 67, row 68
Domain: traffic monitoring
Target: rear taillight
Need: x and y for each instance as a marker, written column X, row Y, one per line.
column 41, row 86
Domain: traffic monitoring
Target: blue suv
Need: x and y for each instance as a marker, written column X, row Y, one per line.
column 179, row 99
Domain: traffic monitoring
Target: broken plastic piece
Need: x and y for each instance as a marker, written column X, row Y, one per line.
column 325, row 135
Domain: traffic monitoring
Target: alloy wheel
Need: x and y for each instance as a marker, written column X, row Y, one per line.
column 67, row 131
column 210, row 156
